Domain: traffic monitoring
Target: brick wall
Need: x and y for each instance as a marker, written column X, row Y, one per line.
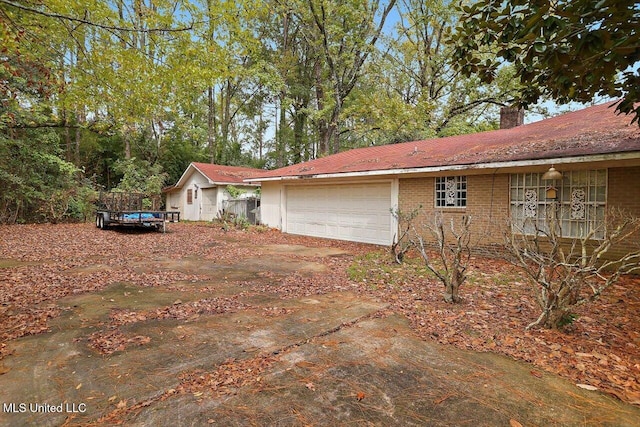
column 488, row 204
column 624, row 192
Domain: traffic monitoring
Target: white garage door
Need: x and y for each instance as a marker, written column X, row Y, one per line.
column 359, row 213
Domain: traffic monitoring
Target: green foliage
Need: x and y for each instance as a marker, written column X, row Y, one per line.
column 377, row 268
column 255, row 83
column 82, row 202
column 37, row 185
column 229, row 220
column 566, row 320
column 139, row 176
column 234, row 191
column 178, row 151
column 411, row 90
column 568, row 50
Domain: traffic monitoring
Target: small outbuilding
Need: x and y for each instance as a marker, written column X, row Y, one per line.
column 201, row 191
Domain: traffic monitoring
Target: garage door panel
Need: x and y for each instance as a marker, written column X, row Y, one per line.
column 348, row 212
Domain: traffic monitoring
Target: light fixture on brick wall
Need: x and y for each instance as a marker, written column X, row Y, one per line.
column 552, row 175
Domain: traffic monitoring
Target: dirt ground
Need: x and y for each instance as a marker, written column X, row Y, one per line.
column 204, row 327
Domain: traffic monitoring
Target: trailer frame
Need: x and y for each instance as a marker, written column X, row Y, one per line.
column 141, row 219
column 125, row 210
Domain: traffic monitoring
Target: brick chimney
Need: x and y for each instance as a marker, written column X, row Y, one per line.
column 511, row 117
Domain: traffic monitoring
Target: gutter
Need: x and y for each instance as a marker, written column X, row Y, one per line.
column 464, row 167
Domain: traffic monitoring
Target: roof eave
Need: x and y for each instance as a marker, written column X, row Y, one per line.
column 462, row 167
column 220, row 183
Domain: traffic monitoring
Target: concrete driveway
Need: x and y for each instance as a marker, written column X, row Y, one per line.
column 332, row 359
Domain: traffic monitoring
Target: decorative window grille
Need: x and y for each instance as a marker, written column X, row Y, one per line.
column 578, row 198
column 579, row 208
column 451, row 191
column 531, row 203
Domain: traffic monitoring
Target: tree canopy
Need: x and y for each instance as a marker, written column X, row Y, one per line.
column 116, row 90
column 570, row 50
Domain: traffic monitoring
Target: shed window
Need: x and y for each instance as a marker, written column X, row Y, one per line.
column 189, row 196
column 579, row 206
column 451, row 191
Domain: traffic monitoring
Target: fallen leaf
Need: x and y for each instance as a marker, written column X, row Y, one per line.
column 305, row 364
column 536, row 374
column 360, row 396
column 514, row 423
column 584, row 354
column 406, row 288
column 587, row 387
column 310, row 386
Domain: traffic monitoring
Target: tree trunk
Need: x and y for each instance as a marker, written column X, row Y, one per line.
column 127, row 145
column 281, row 146
column 77, row 145
column 451, row 289
column 67, row 137
column 323, row 130
column 301, row 150
column 80, row 120
column 211, row 139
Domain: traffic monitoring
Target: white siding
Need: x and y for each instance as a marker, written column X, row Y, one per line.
column 174, row 203
column 193, row 211
column 270, row 205
column 209, row 204
column 355, row 212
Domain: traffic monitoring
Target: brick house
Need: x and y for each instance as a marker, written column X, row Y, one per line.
column 493, row 176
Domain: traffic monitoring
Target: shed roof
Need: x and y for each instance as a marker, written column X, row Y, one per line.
column 591, row 131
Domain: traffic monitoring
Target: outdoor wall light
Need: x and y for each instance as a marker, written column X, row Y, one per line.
column 552, row 175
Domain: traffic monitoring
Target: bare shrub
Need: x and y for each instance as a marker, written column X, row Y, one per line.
column 452, row 249
column 403, row 243
column 569, row 272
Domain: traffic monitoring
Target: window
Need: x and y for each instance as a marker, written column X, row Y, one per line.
column 189, row 196
column 579, row 207
column 451, row 191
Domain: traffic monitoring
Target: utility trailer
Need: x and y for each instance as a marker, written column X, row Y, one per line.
column 126, row 210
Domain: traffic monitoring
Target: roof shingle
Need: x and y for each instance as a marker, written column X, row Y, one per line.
column 226, row 174
column 593, row 130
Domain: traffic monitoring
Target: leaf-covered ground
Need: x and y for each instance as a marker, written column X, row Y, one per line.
column 40, row 264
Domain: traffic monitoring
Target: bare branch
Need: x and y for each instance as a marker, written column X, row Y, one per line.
column 91, row 23
column 563, row 269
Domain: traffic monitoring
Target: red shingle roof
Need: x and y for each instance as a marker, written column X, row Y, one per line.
column 226, row 174
column 593, row 130
column 216, row 174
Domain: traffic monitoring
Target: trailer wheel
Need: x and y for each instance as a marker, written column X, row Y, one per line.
column 101, row 222
column 98, row 216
